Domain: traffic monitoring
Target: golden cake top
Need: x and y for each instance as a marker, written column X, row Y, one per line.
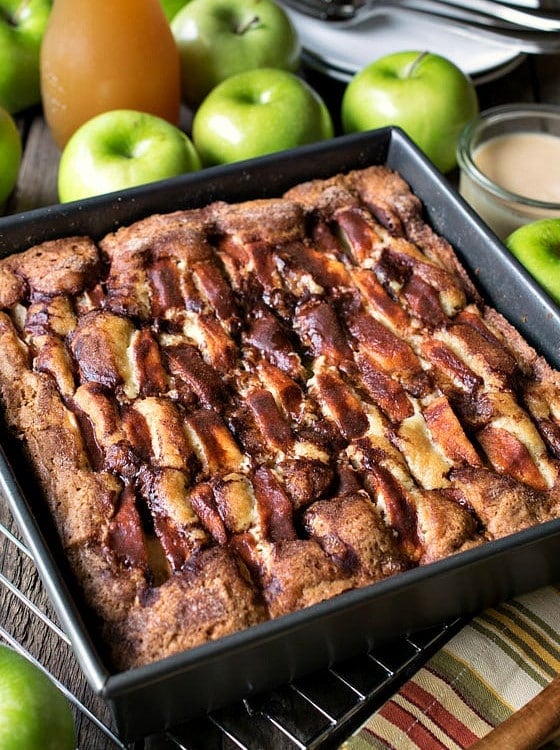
column 307, row 393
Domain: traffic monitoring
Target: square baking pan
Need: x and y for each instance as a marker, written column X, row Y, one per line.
column 148, row 699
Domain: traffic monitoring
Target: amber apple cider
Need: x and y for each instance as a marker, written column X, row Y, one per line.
column 98, row 56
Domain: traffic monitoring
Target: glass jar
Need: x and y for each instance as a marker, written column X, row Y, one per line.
column 509, row 159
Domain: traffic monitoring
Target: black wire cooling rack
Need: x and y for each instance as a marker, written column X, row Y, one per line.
column 318, row 711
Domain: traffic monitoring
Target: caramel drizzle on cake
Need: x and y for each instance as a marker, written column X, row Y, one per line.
column 238, row 411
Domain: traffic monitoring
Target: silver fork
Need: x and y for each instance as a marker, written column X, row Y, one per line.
column 526, row 30
column 499, row 12
column 533, row 15
column 326, row 10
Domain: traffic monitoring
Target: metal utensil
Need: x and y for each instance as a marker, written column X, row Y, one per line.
column 492, row 12
column 552, row 6
column 499, row 12
column 534, row 15
column 483, row 18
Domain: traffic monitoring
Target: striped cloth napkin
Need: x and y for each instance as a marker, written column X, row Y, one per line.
column 490, row 669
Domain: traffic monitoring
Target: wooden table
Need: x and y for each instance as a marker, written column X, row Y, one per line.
column 533, row 80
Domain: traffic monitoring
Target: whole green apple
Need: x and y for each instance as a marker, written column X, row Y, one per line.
column 34, row 714
column 258, row 112
column 22, row 26
column 10, row 154
column 219, row 38
column 120, row 149
column 425, row 94
column 172, row 7
column 537, row 247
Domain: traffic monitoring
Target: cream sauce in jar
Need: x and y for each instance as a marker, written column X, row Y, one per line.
column 527, row 164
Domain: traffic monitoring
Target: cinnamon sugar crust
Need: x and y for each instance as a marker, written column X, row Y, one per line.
column 239, row 411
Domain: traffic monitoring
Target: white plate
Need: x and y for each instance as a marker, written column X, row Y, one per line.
column 341, row 50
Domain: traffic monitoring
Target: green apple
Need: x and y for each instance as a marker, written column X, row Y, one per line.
column 537, row 247
column 22, row 26
column 120, row 149
column 425, row 94
column 258, row 112
column 34, row 714
column 219, row 38
column 10, row 154
column 172, row 7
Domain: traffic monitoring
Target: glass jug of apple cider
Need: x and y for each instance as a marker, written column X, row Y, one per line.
column 99, row 55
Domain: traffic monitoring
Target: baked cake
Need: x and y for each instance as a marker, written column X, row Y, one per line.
column 238, row 411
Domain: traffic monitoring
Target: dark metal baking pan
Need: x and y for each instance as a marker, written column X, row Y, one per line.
column 148, row 699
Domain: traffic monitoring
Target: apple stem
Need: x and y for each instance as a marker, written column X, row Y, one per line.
column 415, row 63
column 249, row 24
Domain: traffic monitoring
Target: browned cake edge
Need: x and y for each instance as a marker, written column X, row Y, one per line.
column 215, row 593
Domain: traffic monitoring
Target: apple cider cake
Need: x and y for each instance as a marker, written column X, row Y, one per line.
column 238, row 411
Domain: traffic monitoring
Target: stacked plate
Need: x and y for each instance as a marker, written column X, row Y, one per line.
column 340, row 50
